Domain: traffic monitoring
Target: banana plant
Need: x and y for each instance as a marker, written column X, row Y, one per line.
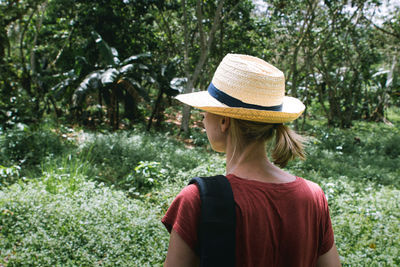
column 114, row 81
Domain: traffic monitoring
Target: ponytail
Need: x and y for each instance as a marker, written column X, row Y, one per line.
column 288, row 145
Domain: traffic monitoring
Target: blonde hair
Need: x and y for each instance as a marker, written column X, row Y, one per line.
column 288, row 144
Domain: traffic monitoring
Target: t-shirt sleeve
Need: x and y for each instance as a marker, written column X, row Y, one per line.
column 183, row 215
column 326, row 238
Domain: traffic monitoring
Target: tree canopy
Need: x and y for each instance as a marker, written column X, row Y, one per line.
column 92, row 62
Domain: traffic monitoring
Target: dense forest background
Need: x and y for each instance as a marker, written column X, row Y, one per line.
column 94, row 148
column 121, row 62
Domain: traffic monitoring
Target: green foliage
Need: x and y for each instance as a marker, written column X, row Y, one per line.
column 63, row 218
column 144, row 177
column 68, row 216
column 199, row 137
column 110, row 81
column 84, row 225
column 136, row 161
column 392, row 147
column 63, row 57
column 15, row 106
column 9, row 175
column 27, row 147
column 365, row 152
column 364, row 219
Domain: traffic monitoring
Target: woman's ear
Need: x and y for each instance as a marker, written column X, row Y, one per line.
column 225, row 123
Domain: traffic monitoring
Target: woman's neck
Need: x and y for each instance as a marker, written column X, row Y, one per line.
column 251, row 162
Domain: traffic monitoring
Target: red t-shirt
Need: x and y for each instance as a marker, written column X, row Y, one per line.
column 285, row 224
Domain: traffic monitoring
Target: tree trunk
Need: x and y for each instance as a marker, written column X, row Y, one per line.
column 185, row 118
column 204, row 51
column 155, row 109
column 116, row 126
column 56, row 110
column 186, row 110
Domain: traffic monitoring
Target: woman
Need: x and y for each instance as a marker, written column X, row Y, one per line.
column 281, row 219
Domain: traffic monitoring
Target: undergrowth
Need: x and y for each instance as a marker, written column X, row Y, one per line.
column 74, row 198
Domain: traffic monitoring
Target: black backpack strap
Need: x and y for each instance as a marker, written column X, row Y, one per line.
column 217, row 225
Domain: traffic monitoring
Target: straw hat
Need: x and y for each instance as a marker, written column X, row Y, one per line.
column 247, row 88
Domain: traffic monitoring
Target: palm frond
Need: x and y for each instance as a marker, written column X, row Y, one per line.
column 92, row 81
column 60, row 88
column 178, row 84
column 106, row 52
column 136, row 57
column 109, row 76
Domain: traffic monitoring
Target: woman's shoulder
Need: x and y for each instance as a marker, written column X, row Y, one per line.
column 314, row 187
column 316, row 193
column 189, row 193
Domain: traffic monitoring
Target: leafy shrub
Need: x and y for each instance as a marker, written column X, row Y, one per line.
column 145, row 176
column 27, row 148
column 115, row 157
column 9, row 175
column 197, row 136
column 392, row 147
column 367, row 152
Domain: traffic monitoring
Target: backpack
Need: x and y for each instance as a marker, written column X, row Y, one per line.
column 217, row 225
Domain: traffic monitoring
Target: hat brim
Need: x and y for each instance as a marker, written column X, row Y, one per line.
column 292, row 108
